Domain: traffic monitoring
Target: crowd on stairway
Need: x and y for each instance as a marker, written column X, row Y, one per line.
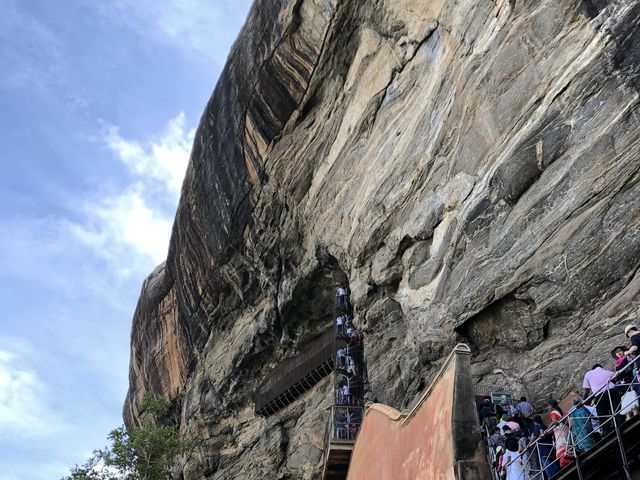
column 347, row 354
column 349, row 382
column 522, row 446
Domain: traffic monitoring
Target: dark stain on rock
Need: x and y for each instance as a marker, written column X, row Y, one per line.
column 510, row 321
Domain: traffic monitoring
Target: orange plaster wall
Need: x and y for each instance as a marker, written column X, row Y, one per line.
column 417, row 448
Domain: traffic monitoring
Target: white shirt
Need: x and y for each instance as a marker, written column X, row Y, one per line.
column 341, row 292
column 339, row 320
column 351, row 366
column 341, row 352
column 501, row 425
column 345, row 389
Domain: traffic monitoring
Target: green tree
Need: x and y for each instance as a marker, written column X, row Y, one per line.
column 140, row 453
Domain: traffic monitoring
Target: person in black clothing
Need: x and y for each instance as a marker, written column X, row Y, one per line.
column 511, row 443
column 624, row 378
column 632, row 333
column 546, row 453
column 524, row 417
column 487, row 414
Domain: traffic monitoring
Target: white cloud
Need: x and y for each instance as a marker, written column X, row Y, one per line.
column 131, row 227
column 164, row 160
column 125, row 230
column 24, row 413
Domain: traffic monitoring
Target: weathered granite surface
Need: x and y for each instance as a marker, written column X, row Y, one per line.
column 471, row 167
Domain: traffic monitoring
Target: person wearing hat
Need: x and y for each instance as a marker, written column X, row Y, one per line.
column 632, row 333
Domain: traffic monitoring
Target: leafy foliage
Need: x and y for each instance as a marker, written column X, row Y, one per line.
column 140, row 453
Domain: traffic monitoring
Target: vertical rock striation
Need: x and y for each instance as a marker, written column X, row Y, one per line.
column 472, row 168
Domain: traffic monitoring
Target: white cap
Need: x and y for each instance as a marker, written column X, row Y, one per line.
column 629, row 327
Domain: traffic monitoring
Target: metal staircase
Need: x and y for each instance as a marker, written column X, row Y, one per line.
column 349, row 387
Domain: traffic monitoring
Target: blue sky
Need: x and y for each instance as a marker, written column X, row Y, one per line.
column 98, row 104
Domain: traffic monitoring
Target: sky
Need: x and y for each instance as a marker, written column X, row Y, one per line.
column 99, row 101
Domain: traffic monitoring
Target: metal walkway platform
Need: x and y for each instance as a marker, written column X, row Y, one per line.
column 338, row 456
column 294, row 377
column 604, row 461
column 339, row 439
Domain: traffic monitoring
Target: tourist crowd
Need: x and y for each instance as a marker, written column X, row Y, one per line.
column 346, row 361
column 349, row 383
column 523, row 447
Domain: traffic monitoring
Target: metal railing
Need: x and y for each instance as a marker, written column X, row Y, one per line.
column 578, row 431
column 349, row 384
column 344, row 423
column 345, row 415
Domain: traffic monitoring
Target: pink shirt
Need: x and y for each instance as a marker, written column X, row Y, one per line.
column 513, row 425
column 597, row 378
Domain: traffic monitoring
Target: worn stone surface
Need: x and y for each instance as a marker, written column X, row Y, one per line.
column 471, row 167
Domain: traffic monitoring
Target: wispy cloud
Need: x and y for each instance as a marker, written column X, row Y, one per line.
column 132, row 226
column 43, row 417
column 128, row 226
column 163, row 159
column 89, row 208
column 24, row 413
column 125, row 230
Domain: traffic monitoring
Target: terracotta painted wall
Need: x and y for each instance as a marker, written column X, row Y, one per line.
column 422, row 446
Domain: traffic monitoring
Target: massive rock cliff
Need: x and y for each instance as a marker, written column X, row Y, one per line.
column 471, row 170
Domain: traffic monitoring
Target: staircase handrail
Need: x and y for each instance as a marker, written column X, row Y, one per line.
column 610, row 418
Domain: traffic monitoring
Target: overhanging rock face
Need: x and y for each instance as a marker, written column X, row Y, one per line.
column 438, row 439
column 470, row 167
